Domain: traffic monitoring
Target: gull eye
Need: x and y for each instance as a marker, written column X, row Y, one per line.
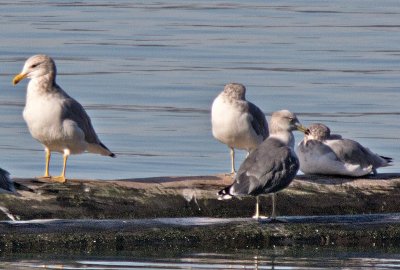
column 34, row 65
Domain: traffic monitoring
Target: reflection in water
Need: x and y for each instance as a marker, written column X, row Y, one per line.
column 277, row 258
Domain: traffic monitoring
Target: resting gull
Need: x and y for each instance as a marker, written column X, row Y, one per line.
column 272, row 166
column 237, row 122
column 54, row 118
column 323, row 153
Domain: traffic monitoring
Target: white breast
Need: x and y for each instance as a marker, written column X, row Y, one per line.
column 43, row 115
column 232, row 126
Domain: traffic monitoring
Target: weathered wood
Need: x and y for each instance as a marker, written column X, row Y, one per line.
column 209, row 234
column 196, row 196
column 170, row 212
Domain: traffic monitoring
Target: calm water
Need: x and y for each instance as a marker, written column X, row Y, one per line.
column 278, row 258
column 147, row 72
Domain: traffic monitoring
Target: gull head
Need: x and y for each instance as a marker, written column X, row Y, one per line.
column 35, row 67
column 286, row 121
column 235, row 91
column 318, row 132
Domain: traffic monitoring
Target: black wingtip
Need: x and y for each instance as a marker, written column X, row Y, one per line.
column 105, row 147
column 388, row 159
column 224, row 194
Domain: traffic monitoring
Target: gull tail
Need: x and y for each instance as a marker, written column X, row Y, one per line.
column 110, row 154
column 225, row 193
column 388, row 159
column 100, row 149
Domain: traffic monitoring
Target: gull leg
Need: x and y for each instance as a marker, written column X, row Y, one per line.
column 48, row 155
column 273, row 218
column 46, row 175
column 257, row 213
column 233, row 171
column 61, row 178
column 273, row 215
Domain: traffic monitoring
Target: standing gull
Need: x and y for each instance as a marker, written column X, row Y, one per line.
column 54, row 118
column 272, row 166
column 323, row 153
column 237, row 122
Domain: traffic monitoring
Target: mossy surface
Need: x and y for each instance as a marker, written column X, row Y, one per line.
column 152, row 213
column 92, row 236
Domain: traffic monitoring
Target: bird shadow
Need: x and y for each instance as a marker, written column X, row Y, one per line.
column 276, row 220
column 170, row 179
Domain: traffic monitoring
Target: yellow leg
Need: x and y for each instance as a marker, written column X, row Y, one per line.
column 46, row 175
column 48, row 155
column 61, row 178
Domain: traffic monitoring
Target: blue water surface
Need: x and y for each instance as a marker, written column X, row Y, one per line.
column 148, row 71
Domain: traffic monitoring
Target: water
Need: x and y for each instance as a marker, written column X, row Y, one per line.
column 294, row 258
column 147, row 72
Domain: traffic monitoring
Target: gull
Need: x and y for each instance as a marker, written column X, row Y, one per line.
column 272, row 166
column 321, row 152
column 54, row 118
column 6, row 183
column 237, row 122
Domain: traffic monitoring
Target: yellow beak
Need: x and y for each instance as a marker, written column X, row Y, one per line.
column 301, row 128
column 19, row 78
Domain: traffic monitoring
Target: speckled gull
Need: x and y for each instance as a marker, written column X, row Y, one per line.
column 54, row 118
column 323, row 153
column 237, row 122
column 272, row 166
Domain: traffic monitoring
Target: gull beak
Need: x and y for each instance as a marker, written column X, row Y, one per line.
column 19, row 78
column 301, row 128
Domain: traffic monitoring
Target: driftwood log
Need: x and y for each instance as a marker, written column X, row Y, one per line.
column 182, row 212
